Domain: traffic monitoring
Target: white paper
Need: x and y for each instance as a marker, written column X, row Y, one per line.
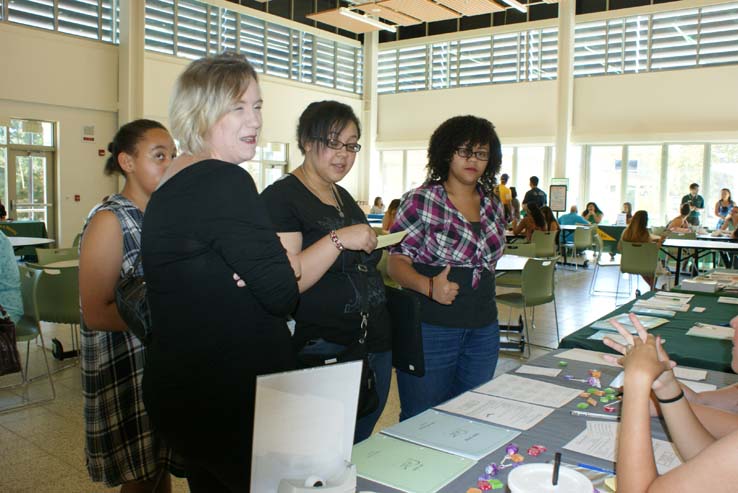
column 527, row 390
column 698, row 386
column 690, row 373
column 711, row 331
column 728, row 299
column 391, row 239
column 600, row 440
column 618, row 380
column 538, row 370
column 304, row 423
column 587, row 356
column 615, row 336
column 699, row 309
column 513, row 414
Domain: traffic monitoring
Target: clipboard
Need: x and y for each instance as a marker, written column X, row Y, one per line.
column 407, row 333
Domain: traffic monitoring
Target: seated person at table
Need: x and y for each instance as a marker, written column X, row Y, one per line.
column 389, row 216
column 710, row 463
column 378, row 207
column 10, row 293
column 731, row 222
column 679, row 224
column 723, row 207
column 533, row 221
column 637, row 232
column 572, row 218
column 628, row 211
column 3, row 212
column 592, row 213
column 553, row 224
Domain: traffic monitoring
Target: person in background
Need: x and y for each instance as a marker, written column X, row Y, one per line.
column 505, row 195
column 456, row 230
column 320, row 223
column 696, row 204
column 592, row 213
column 680, row 224
column 389, row 216
column 212, row 336
column 378, row 207
column 551, row 222
column 628, row 211
column 637, row 232
column 571, row 218
column 3, row 212
column 121, row 445
column 10, row 291
column 514, row 205
column 731, row 222
column 535, row 195
column 723, row 207
column 709, row 463
column 533, row 221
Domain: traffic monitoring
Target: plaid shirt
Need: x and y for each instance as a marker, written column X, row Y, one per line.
column 438, row 234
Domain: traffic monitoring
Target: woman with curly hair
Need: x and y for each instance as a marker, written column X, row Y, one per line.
column 592, row 213
column 455, row 234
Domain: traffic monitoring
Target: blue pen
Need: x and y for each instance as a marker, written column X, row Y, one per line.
column 595, row 468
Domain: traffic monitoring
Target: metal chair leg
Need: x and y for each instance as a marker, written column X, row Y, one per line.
column 527, row 334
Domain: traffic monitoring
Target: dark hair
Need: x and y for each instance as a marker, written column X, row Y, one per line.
column 534, row 180
column 548, row 214
column 684, row 209
column 377, row 200
column 639, row 222
column 463, row 131
column 126, row 140
column 392, row 207
column 730, row 195
column 537, row 215
column 514, row 192
column 586, row 208
column 694, row 185
column 322, row 118
column 504, row 177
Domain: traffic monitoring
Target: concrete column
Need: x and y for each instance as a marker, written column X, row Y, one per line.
column 370, row 178
column 131, row 61
column 565, row 87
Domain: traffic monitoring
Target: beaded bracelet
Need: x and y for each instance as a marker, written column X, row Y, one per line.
column 673, row 399
column 335, row 240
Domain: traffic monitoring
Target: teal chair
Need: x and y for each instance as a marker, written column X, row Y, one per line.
column 545, row 242
column 77, row 240
column 638, row 259
column 537, row 288
column 27, row 329
column 612, row 262
column 582, row 241
column 49, row 255
column 513, row 279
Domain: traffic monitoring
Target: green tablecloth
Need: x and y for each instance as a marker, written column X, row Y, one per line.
column 699, row 352
column 32, row 229
column 610, row 236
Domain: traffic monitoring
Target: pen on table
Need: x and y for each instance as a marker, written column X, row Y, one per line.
column 595, row 468
column 614, row 417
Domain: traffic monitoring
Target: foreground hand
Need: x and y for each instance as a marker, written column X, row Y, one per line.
column 358, row 237
column 444, row 291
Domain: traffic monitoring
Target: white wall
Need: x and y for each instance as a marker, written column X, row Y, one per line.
column 284, row 101
column 72, row 82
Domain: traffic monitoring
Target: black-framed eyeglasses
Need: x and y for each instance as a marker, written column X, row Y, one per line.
column 466, row 153
column 337, row 145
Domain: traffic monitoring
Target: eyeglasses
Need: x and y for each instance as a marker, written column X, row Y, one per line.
column 338, row 145
column 466, row 153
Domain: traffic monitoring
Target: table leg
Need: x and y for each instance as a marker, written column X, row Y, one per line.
column 678, row 266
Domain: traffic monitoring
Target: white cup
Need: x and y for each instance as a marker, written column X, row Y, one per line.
column 536, row 478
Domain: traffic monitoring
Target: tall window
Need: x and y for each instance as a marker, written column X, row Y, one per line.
column 605, row 165
column 574, row 174
column 684, row 168
column 723, row 174
column 644, row 181
column 393, row 171
column 268, row 165
column 531, row 162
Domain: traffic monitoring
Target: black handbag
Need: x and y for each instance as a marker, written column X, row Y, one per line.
column 130, row 298
column 9, row 356
column 407, row 332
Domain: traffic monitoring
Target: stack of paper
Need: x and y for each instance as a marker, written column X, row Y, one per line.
column 676, row 304
column 701, row 285
column 711, row 331
column 406, row 466
column 647, row 321
column 452, row 434
column 587, row 356
column 600, row 440
column 505, row 412
column 527, row 390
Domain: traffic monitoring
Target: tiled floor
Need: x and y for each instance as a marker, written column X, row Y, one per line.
column 41, row 448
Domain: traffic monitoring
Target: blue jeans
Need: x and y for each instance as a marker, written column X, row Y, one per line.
column 381, row 364
column 456, row 360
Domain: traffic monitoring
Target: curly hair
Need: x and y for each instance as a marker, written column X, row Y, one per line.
column 463, row 131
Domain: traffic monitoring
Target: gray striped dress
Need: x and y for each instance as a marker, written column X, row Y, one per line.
column 120, row 445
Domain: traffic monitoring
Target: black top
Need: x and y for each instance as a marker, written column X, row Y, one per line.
column 535, row 196
column 472, row 308
column 330, row 309
column 210, row 337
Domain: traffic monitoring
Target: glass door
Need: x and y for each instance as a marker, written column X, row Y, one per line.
column 30, row 186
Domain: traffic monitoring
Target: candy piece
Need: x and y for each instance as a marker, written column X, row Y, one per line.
column 492, row 469
column 563, row 363
column 592, row 402
column 584, row 395
column 484, row 477
column 540, row 447
column 496, row 484
column 517, row 458
column 511, row 449
column 604, row 400
column 599, row 393
column 483, row 485
column 594, row 382
column 582, row 405
column 473, row 490
column 595, row 373
column 534, row 452
column 592, row 390
column 609, row 409
column 610, row 390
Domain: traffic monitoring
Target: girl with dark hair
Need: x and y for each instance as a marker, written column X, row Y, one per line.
column 319, row 222
column 592, row 213
column 637, row 232
column 680, row 224
column 455, row 234
column 533, row 221
column 628, row 211
column 390, row 215
column 723, row 207
column 515, row 204
column 121, row 446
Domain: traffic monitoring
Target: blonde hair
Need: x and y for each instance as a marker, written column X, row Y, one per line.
column 202, row 95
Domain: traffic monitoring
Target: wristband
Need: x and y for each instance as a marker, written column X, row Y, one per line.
column 673, row 399
column 430, row 287
column 335, row 240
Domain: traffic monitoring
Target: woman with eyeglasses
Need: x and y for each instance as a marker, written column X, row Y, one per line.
column 318, row 221
column 455, row 234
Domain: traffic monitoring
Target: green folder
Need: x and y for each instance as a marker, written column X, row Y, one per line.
column 406, row 466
